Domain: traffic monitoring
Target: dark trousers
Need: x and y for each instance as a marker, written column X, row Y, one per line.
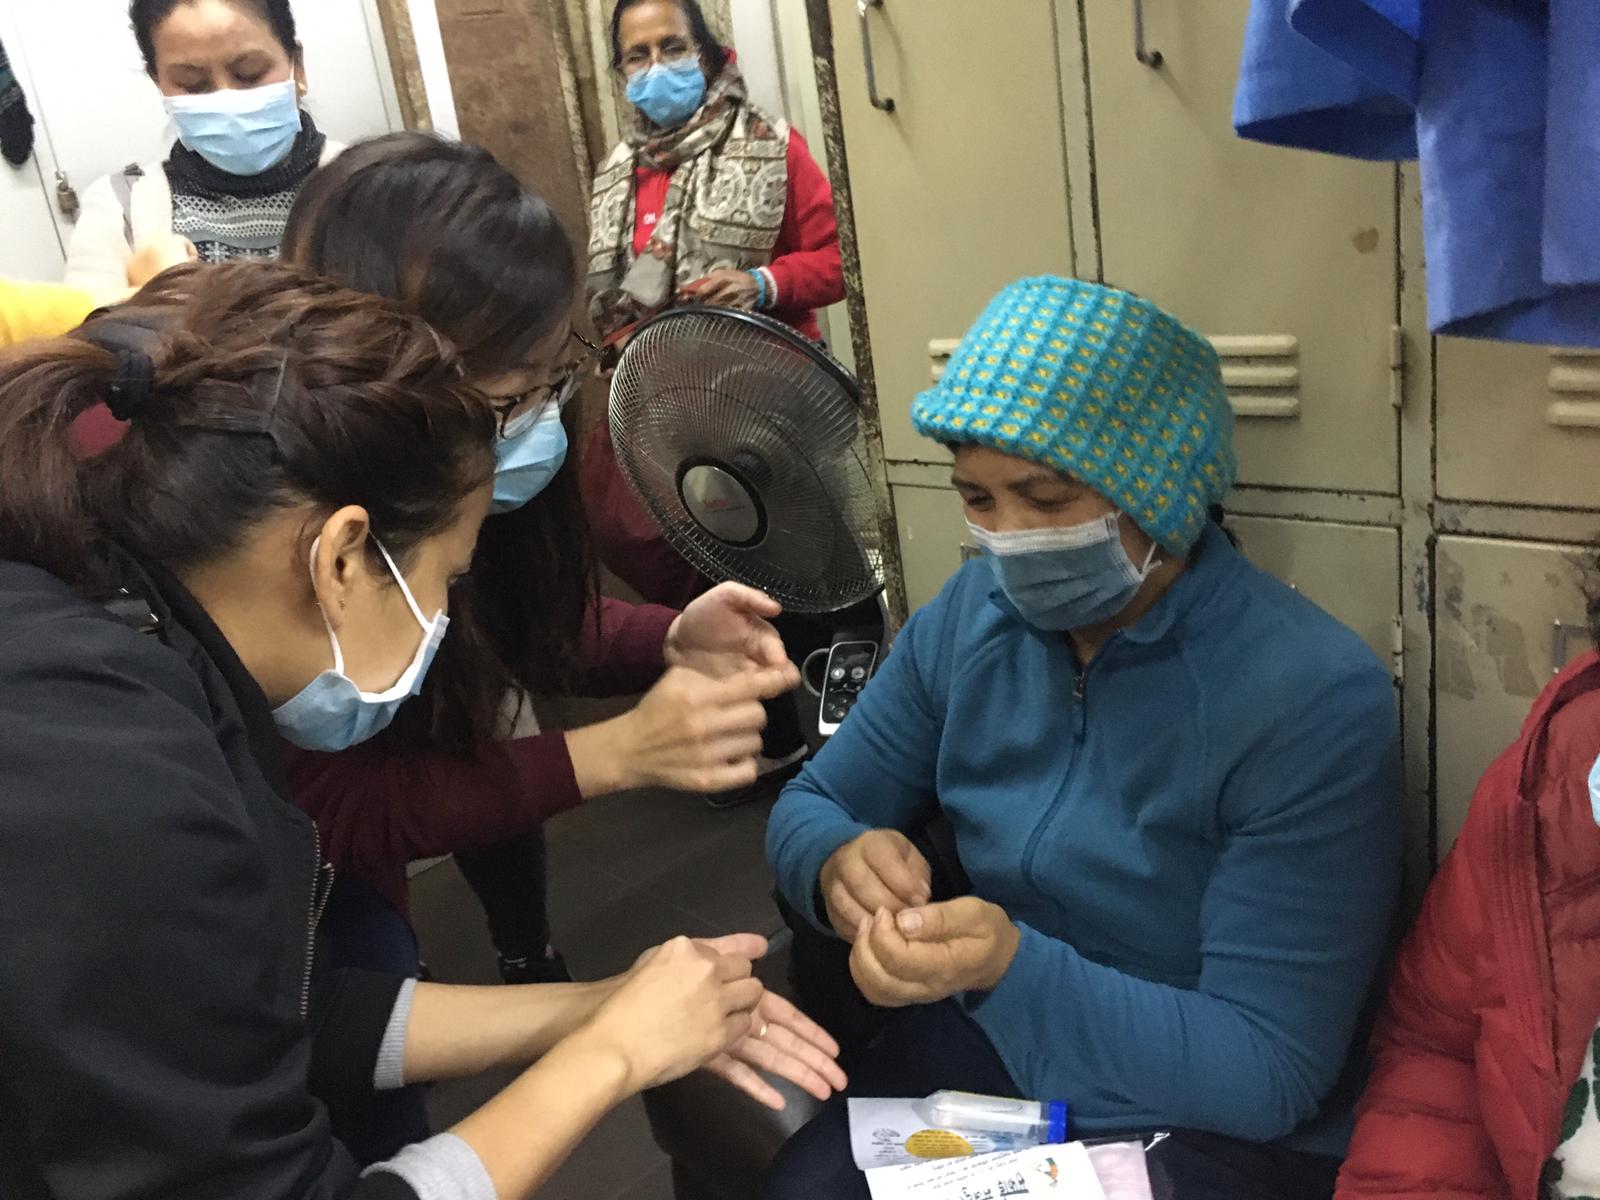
column 922, row 1050
column 510, row 879
column 361, row 930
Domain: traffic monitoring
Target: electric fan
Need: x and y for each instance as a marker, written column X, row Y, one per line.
column 742, row 441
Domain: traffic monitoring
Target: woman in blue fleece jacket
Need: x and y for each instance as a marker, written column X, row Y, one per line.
column 1174, row 782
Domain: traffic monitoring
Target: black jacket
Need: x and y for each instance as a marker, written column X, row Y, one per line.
column 160, row 1034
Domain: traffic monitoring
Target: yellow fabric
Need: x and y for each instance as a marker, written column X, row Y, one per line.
column 40, row 310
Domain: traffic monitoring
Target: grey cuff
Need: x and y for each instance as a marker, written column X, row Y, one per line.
column 389, row 1072
column 442, row 1168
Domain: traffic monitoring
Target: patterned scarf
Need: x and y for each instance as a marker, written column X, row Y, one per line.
column 236, row 216
column 724, row 207
column 16, row 122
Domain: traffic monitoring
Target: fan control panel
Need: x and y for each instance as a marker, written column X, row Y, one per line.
column 850, row 666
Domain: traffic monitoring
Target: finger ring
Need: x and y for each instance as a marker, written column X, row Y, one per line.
column 763, row 1032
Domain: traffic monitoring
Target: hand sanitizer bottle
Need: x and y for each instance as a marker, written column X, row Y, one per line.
column 1018, row 1122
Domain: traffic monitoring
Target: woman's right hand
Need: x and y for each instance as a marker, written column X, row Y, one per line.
column 162, row 254
column 691, row 733
column 682, row 1005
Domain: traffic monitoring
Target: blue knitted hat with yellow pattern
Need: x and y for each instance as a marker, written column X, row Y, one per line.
column 1100, row 385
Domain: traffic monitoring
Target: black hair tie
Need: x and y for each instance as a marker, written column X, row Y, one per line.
column 132, row 383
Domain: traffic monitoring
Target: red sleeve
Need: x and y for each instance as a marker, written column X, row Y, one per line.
column 379, row 809
column 623, row 650
column 1420, row 1134
column 805, row 258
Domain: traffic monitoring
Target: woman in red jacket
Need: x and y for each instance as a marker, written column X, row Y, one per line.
column 707, row 200
column 1484, row 1080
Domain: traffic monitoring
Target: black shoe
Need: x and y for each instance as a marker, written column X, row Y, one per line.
column 774, row 774
column 552, row 968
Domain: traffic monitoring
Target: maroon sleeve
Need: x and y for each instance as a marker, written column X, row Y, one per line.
column 624, row 647
column 805, row 259
column 379, row 809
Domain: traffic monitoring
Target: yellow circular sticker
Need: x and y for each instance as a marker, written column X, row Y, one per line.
column 938, row 1143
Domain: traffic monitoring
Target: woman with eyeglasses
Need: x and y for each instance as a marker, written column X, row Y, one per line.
column 449, row 233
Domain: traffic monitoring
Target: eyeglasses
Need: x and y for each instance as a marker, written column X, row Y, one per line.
column 533, row 403
column 670, row 52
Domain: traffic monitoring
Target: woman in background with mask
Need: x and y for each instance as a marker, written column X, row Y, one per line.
column 1173, row 782
column 231, row 74
column 707, row 200
column 270, row 547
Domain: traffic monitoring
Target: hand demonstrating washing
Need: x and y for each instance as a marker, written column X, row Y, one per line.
column 881, row 869
column 726, row 631
column 690, row 733
column 924, row 955
column 681, row 1006
column 787, row 1043
column 783, row 1041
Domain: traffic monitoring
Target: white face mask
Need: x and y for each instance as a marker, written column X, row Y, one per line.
column 332, row 713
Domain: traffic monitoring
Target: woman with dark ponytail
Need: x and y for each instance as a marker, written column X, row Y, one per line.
column 267, row 550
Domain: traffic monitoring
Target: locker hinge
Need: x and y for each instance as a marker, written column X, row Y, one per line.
column 1397, row 652
column 1397, row 366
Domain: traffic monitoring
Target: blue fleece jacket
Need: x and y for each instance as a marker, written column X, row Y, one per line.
column 1199, row 839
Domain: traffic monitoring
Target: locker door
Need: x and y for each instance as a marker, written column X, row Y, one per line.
column 1504, row 407
column 932, row 533
column 1351, row 571
column 1287, row 258
column 958, row 191
column 1510, row 614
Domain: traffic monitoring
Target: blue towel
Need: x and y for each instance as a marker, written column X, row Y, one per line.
column 1293, row 93
column 1507, row 117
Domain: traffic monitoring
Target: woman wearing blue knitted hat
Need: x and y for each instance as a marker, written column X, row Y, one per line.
column 1173, row 783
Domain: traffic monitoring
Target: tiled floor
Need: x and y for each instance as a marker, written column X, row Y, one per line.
column 626, row 873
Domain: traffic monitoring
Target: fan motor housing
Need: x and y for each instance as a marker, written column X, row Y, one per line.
column 722, row 501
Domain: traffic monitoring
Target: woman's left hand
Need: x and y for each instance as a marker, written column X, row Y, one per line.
column 924, row 955
column 785, row 1043
column 726, row 631
column 727, row 288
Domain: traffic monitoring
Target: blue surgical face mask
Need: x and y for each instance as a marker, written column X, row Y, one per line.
column 1061, row 579
column 669, row 93
column 332, row 713
column 527, row 456
column 240, row 131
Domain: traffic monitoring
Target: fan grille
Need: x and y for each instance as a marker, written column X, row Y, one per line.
column 750, row 399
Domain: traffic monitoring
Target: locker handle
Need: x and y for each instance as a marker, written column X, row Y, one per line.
column 882, row 103
column 1150, row 58
column 1560, row 655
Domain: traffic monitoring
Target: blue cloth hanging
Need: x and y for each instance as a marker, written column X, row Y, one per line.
column 1506, row 97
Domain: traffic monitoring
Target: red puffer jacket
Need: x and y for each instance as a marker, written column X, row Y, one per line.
column 1497, row 990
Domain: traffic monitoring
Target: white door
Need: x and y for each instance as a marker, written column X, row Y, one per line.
column 98, row 110
column 30, row 248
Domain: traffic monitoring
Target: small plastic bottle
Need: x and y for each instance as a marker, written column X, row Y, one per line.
column 1016, row 1122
